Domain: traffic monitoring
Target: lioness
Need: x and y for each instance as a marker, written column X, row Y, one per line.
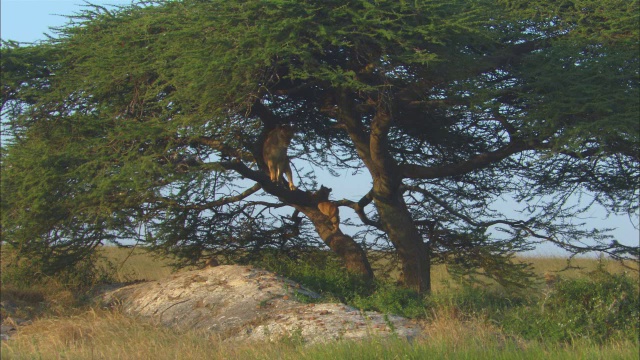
column 328, row 208
column 274, row 152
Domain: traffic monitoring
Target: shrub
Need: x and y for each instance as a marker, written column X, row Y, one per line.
column 324, row 273
column 320, row 271
column 24, row 272
column 389, row 298
column 599, row 307
column 473, row 302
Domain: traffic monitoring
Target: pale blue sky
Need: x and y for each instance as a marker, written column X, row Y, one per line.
column 28, row 20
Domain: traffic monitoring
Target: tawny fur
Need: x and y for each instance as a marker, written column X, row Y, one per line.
column 328, row 208
column 275, row 155
column 331, row 211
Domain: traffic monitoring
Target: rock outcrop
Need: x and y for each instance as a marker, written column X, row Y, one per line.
column 246, row 303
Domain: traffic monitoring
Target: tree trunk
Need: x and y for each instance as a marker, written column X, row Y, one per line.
column 343, row 245
column 351, row 253
column 413, row 253
column 395, row 218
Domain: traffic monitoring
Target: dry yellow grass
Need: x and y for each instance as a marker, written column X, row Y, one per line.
column 138, row 264
column 574, row 267
column 102, row 334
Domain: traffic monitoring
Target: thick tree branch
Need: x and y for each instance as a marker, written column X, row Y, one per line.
column 219, row 202
column 384, row 168
column 379, row 140
column 295, row 197
column 480, row 161
column 350, row 119
column 268, row 118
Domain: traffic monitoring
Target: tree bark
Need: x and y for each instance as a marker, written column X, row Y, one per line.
column 395, row 218
column 343, row 245
column 397, row 222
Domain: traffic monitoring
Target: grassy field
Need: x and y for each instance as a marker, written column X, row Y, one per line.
column 458, row 322
column 137, row 264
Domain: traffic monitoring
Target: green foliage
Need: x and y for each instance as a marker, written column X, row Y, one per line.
column 79, row 277
column 600, row 307
column 321, row 271
column 390, row 298
column 133, row 123
column 469, row 302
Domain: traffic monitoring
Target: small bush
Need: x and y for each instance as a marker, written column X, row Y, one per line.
column 321, row 272
column 82, row 275
column 600, row 307
column 391, row 299
column 473, row 302
column 27, row 292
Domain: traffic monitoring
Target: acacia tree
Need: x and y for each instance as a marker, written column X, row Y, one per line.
column 147, row 122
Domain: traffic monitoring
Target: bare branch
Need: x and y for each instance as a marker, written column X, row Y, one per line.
column 615, row 249
column 359, row 206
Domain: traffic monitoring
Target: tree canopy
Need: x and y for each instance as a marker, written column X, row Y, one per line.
column 146, row 122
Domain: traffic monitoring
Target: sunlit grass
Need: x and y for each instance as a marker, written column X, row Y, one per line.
column 457, row 325
column 138, row 264
column 101, row 334
column 576, row 267
column 132, row 264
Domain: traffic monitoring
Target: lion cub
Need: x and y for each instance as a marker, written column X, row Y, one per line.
column 274, row 151
column 328, row 208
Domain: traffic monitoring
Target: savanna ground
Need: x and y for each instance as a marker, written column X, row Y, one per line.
column 587, row 311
